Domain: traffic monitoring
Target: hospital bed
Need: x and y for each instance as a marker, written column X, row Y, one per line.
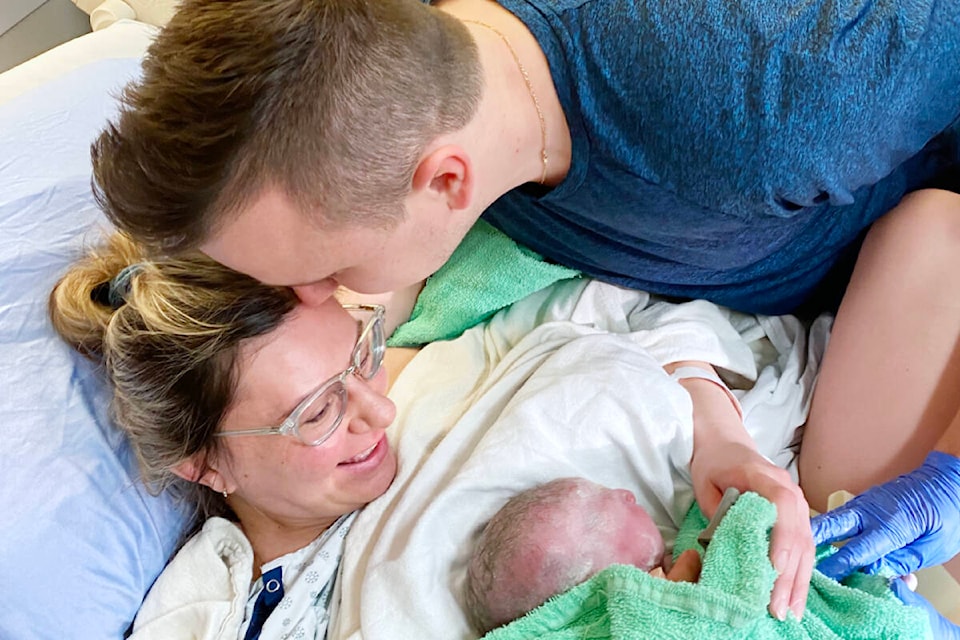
column 82, row 541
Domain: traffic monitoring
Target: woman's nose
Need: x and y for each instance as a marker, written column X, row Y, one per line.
column 367, row 407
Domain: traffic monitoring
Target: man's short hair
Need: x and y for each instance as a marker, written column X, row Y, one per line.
column 330, row 101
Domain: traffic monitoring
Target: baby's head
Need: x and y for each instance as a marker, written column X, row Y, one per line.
column 550, row 538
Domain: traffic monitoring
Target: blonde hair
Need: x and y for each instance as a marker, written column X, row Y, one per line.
column 330, row 101
column 168, row 349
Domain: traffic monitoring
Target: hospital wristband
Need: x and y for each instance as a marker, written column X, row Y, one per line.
column 683, row 373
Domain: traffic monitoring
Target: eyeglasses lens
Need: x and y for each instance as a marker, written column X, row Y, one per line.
column 369, row 355
column 322, row 416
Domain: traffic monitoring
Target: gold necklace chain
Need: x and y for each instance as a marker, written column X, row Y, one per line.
column 533, row 95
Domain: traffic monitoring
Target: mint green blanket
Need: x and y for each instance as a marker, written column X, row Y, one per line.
column 729, row 601
column 487, row 272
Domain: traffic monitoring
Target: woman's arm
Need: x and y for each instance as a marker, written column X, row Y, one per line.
column 724, row 455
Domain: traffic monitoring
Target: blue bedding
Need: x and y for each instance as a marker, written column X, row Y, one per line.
column 81, row 540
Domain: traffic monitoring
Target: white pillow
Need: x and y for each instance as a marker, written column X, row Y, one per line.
column 80, row 540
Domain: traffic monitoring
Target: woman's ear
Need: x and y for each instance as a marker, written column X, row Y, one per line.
column 446, row 173
column 197, row 469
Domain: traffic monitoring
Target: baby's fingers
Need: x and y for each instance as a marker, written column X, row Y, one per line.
column 686, row 568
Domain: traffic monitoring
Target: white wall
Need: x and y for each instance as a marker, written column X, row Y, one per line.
column 30, row 27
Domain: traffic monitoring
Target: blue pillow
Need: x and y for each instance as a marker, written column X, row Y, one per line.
column 81, row 541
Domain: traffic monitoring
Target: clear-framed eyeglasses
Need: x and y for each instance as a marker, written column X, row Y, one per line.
column 318, row 416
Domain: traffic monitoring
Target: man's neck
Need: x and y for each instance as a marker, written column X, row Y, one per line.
column 508, row 124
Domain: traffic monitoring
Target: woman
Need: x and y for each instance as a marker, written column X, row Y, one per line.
column 196, row 352
column 201, row 360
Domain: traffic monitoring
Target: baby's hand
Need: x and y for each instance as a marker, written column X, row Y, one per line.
column 685, row 569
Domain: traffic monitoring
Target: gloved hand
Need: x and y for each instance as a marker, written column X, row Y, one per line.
column 942, row 628
column 905, row 524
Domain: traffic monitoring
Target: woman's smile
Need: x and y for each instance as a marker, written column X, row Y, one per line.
column 369, row 458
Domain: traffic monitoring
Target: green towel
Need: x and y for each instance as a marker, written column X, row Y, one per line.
column 486, row 273
column 729, row 601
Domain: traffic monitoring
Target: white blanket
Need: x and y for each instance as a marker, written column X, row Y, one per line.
column 568, row 382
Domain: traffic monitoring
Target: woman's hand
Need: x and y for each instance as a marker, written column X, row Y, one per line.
column 724, row 455
column 738, row 464
column 905, row 524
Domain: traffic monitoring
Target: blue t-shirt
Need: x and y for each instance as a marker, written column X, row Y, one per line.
column 732, row 150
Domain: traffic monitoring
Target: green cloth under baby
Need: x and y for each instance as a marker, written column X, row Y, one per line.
column 729, row 601
column 487, row 272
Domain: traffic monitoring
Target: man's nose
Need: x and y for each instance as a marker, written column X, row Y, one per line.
column 316, row 293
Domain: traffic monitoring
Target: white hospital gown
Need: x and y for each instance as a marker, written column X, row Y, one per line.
column 308, row 578
column 205, row 591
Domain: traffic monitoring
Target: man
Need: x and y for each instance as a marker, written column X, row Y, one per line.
column 725, row 150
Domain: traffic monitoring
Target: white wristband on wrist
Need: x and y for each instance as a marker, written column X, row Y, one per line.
column 681, row 373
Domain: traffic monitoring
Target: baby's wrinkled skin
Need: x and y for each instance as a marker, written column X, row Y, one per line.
column 558, row 543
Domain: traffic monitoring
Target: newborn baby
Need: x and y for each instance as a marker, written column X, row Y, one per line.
column 554, row 536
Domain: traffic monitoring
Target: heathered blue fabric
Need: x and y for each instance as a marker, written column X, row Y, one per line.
column 731, row 149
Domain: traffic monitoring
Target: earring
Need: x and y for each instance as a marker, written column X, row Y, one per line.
column 225, row 494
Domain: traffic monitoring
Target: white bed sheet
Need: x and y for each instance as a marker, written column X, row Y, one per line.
column 567, row 382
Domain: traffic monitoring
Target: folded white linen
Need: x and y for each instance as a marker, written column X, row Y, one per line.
column 105, row 13
column 567, row 382
column 124, row 40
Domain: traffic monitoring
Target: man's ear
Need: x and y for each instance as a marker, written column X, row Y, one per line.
column 197, row 469
column 446, row 173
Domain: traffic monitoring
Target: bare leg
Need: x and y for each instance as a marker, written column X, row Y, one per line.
column 890, row 381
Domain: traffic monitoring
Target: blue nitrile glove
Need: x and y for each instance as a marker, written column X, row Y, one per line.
column 942, row 628
column 905, row 524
